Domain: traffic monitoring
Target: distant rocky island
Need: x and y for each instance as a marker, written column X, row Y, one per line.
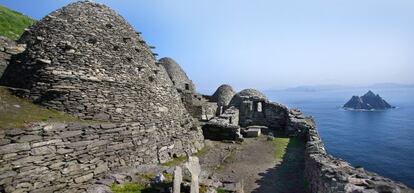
column 369, row 101
column 114, row 118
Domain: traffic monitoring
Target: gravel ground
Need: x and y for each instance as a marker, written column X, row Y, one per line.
column 253, row 163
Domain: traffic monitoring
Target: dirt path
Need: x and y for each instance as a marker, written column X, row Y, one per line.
column 254, row 163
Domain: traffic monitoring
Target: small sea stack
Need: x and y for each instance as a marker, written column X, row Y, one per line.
column 369, row 101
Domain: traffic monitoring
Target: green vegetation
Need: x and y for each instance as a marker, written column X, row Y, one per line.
column 16, row 112
column 219, row 190
column 202, row 151
column 131, row 188
column 175, row 162
column 281, row 145
column 12, row 23
column 144, row 184
column 181, row 159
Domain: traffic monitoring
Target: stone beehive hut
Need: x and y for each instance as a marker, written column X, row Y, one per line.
column 85, row 59
column 256, row 109
column 223, row 95
column 248, row 95
column 177, row 75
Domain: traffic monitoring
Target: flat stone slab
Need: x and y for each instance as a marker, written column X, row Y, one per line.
column 253, row 132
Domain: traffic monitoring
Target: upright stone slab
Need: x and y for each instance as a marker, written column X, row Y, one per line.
column 178, row 178
column 193, row 165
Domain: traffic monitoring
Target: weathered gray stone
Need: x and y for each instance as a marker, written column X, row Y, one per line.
column 67, row 134
column 84, row 178
column 99, row 189
column 43, row 150
column 28, row 138
column 43, row 143
column 100, row 169
column 193, row 166
column 178, row 178
column 14, row 147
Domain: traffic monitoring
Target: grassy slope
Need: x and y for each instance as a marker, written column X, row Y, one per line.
column 282, row 144
column 17, row 112
column 12, row 23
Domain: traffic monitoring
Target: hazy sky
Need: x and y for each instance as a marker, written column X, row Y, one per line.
column 272, row 44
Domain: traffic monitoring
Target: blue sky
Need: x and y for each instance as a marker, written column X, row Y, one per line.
column 269, row 44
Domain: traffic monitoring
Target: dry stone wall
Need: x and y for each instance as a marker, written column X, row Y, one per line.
column 85, row 59
column 224, row 127
column 68, row 158
column 8, row 48
column 223, row 95
column 177, row 75
column 327, row 174
column 256, row 109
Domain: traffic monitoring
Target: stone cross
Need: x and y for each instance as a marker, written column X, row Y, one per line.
column 193, row 166
column 178, row 178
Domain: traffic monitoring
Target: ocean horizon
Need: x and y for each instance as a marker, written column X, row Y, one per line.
column 379, row 141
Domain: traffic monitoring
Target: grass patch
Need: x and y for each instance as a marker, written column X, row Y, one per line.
column 281, row 145
column 202, row 151
column 219, row 190
column 175, row 162
column 127, row 188
column 16, row 112
column 13, row 23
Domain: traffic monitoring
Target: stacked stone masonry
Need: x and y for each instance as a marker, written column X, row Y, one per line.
column 224, row 127
column 327, row 174
column 69, row 157
column 8, row 48
column 196, row 104
column 223, row 96
column 256, row 109
column 87, row 60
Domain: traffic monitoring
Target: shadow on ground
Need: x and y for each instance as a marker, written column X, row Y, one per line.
column 287, row 175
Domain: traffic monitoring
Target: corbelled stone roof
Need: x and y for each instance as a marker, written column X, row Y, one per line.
column 223, row 95
column 177, row 75
column 87, row 60
column 247, row 94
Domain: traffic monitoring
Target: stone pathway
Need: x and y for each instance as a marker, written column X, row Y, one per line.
column 253, row 163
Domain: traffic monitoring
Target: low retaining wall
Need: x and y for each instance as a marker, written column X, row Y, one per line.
column 70, row 157
column 327, row 174
column 224, row 127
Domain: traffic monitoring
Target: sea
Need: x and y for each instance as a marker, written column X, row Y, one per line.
column 379, row 141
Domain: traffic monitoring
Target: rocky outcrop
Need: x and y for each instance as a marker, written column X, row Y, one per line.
column 327, row 174
column 69, row 157
column 368, row 101
column 8, row 48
